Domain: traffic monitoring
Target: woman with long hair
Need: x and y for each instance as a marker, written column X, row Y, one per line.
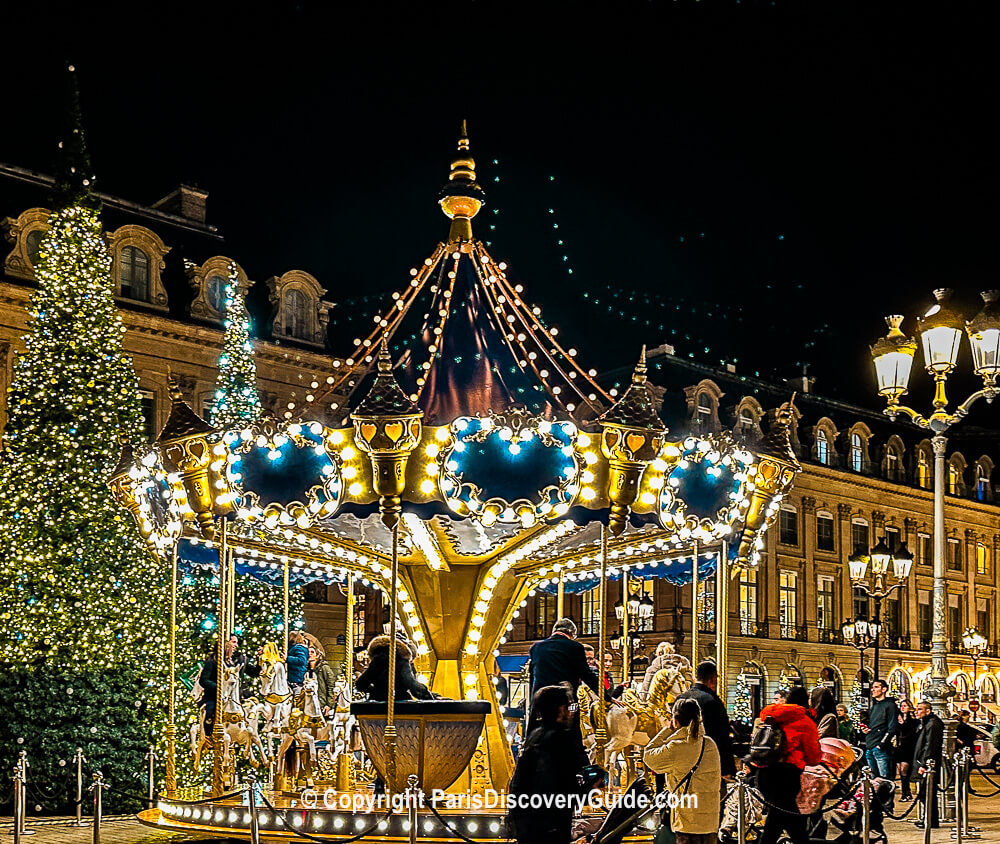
column 824, row 711
column 906, row 744
column 690, row 761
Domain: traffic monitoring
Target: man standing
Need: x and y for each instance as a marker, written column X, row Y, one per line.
column 326, row 681
column 235, row 658
column 560, row 659
column 930, row 740
column 713, row 713
column 883, row 724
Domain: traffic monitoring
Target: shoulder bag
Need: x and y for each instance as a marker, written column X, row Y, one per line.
column 664, row 832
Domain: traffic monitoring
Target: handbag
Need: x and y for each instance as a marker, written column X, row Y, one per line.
column 664, row 832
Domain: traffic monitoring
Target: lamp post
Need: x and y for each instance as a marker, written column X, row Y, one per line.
column 629, row 609
column 940, row 332
column 975, row 645
column 862, row 634
column 879, row 557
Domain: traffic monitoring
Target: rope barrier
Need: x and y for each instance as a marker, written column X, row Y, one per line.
column 319, row 839
column 450, row 828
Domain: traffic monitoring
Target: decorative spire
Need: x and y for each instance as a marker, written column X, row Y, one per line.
column 75, row 180
column 462, row 198
column 386, row 397
column 182, row 422
column 637, row 408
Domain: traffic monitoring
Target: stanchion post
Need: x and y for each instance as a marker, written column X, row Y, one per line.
column 98, row 787
column 971, row 832
column 21, row 820
column 866, row 804
column 959, row 832
column 412, row 790
column 18, row 804
column 741, row 807
column 929, row 797
column 79, row 759
column 254, row 820
column 151, row 777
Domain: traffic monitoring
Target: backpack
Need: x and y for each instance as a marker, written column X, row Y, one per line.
column 767, row 744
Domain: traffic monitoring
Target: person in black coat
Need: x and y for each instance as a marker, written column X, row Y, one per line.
column 561, row 659
column 930, row 740
column 548, row 766
column 713, row 713
column 374, row 680
column 906, row 746
column 209, row 682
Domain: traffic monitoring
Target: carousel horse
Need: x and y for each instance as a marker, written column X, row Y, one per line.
column 199, row 740
column 241, row 720
column 342, row 726
column 276, row 697
column 305, row 727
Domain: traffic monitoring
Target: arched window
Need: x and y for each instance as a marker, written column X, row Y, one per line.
column 954, row 480
column 746, row 422
column 134, row 267
column 923, row 470
column 982, row 483
column 822, row 447
column 295, row 307
column 892, row 463
column 217, row 292
column 31, row 243
column 857, row 453
column 703, row 418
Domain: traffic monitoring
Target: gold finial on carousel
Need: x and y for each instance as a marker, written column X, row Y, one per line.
column 632, row 433
column 462, row 198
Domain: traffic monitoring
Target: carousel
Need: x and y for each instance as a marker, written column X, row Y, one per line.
column 468, row 460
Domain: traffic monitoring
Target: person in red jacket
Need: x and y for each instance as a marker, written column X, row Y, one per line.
column 779, row 783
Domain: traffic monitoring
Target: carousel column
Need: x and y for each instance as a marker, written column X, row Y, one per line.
column 626, row 631
column 345, row 772
column 171, row 763
column 561, row 597
column 218, row 731
column 601, row 730
column 390, row 707
column 284, row 614
column 694, row 605
column 722, row 622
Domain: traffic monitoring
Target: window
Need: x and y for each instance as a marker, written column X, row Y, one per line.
column 359, row 620
column 746, row 423
column 788, row 526
column 590, row 618
column 822, row 447
column 982, row 483
column 148, row 402
column 857, row 453
column 748, row 601
column 923, row 470
column 824, row 532
column 892, row 463
column 892, row 538
column 706, row 605
column 982, row 560
column 295, row 308
column 954, row 480
column 893, row 619
column 545, row 615
column 954, row 555
column 645, row 625
column 217, row 292
column 862, row 605
column 825, row 618
column 955, row 625
column 703, row 419
column 925, row 550
column 788, row 603
column 859, row 535
column 983, row 617
column 31, row 244
column 924, row 624
column 134, row 270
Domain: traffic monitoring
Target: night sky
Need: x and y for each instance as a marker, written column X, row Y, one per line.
column 804, row 167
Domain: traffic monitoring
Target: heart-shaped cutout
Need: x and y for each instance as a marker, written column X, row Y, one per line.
column 368, row 431
column 635, row 442
column 415, row 428
column 611, row 439
column 394, row 430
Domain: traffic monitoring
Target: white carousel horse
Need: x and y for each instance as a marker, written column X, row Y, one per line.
column 342, row 726
column 305, row 726
column 241, row 720
column 276, row 696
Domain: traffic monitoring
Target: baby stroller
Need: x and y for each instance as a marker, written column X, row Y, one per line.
column 848, row 817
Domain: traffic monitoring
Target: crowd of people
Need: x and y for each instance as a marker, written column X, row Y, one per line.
column 694, row 752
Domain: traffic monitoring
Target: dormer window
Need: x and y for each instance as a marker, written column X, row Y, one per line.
column 31, row 243
column 217, row 292
column 954, row 480
column 982, row 482
column 138, row 260
column 134, row 273
column 25, row 233
column 209, row 282
column 294, row 310
column 892, row 463
column 300, row 313
column 857, row 453
column 923, row 470
column 822, row 448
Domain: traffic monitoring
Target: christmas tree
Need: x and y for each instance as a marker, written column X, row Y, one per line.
column 236, row 401
column 81, row 630
column 742, row 711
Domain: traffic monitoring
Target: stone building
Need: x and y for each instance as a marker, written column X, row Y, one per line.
column 863, row 477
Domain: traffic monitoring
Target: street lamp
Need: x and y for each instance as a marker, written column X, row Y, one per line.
column 975, row 645
column 879, row 558
column 940, row 332
column 862, row 634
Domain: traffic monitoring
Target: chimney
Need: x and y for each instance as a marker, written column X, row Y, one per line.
column 187, row 201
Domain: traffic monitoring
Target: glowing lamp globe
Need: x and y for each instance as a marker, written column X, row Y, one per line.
column 941, row 333
column 984, row 337
column 848, row 630
column 633, row 604
column 881, row 556
column 893, row 358
column 857, row 564
column 902, row 562
column 861, row 627
column 646, row 607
